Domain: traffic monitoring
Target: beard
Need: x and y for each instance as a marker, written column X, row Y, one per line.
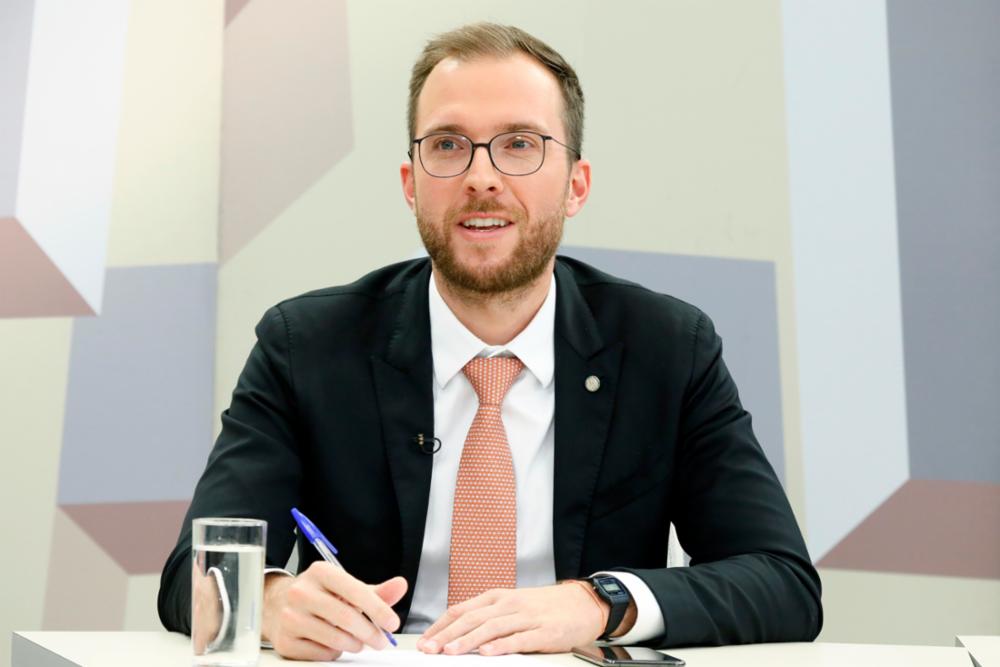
column 537, row 244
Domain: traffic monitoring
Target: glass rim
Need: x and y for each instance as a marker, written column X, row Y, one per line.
column 227, row 521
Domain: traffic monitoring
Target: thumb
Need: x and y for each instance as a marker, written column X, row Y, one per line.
column 392, row 590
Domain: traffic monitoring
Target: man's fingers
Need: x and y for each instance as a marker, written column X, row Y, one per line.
column 336, row 612
column 543, row 619
column 529, row 641
column 391, row 591
column 356, row 593
column 451, row 615
column 484, row 632
column 320, row 632
column 302, row 649
column 463, row 626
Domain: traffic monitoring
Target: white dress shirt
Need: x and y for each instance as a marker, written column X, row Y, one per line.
column 528, row 413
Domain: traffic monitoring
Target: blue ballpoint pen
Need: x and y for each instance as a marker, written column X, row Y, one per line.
column 328, row 552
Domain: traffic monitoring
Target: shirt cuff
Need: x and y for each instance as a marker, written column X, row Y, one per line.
column 279, row 570
column 267, row 571
column 648, row 618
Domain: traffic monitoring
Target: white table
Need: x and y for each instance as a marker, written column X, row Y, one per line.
column 984, row 649
column 153, row 649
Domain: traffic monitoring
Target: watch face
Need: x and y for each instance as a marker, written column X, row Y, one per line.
column 611, row 587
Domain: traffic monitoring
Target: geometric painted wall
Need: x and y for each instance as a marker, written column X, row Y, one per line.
column 140, row 378
column 286, row 110
column 947, row 148
column 942, row 518
column 56, row 168
column 139, row 418
column 820, row 178
column 841, row 172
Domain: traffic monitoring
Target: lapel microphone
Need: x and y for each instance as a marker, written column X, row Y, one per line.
column 428, row 445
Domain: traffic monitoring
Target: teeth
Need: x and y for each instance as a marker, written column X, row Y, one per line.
column 482, row 223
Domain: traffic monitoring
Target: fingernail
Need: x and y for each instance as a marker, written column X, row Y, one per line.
column 486, row 648
column 431, row 646
column 451, row 647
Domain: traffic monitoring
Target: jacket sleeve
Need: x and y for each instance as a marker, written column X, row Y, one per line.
column 751, row 578
column 254, row 470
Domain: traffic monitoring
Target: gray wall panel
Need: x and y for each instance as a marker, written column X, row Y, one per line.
column 945, row 73
column 138, row 423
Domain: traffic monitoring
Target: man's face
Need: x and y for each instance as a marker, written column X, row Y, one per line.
column 480, row 99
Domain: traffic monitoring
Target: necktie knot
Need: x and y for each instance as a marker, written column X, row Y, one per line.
column 492, row 377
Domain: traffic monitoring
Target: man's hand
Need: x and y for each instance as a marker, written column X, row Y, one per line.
column 318, row 614
column 548, row 619
column 206, row 618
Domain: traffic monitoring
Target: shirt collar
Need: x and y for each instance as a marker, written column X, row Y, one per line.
column 453, row 346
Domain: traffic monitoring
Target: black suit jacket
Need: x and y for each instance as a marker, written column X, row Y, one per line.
column 339, row 382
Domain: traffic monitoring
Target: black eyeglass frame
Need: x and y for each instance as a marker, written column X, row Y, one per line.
column 489, row 151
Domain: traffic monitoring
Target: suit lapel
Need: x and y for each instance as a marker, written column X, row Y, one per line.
column 403, row 377
column 582, row 418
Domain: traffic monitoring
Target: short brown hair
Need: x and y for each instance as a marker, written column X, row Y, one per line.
column 491, row 39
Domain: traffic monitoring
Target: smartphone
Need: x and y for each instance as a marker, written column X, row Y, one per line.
column 624, row 655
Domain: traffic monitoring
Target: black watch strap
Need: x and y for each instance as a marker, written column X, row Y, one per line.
column 616, row 595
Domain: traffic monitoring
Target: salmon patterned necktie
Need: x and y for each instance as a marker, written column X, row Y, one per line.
column 484, row 522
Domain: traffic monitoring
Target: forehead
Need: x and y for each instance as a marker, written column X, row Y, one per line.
column 488, row 95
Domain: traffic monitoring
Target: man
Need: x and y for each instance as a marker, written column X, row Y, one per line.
column 482, row 433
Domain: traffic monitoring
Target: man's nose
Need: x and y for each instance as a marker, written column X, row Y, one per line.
column 482, row 177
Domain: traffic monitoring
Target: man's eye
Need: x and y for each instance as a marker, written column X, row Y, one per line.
column 447, row 144
column 520, row 144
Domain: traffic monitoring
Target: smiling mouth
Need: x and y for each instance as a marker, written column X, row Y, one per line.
column 484, row 223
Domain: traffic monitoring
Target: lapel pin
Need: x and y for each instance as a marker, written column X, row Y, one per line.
column 592, row 383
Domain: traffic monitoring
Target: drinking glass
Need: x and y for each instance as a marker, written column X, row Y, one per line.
column 227, row 590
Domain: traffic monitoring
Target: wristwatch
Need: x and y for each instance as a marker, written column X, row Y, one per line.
column 616, row 595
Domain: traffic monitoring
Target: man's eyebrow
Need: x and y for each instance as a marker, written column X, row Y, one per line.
column 506, row 127
column 445, row 127
column 515, row 127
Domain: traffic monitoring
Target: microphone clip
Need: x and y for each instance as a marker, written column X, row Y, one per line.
column 428, row 445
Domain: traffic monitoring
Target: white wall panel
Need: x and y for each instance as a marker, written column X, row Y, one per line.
column 844, row 240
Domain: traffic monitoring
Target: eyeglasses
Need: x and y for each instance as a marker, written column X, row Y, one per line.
column 447, row 154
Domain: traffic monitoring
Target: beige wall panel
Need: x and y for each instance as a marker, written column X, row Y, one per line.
column 34, row 362
column 84, row 587
column 686, row 129
column 140, row 603
column 166, row 199
column 885, row 608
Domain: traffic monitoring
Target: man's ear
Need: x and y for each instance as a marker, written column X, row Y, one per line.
column 406, row 176
column 579, row 187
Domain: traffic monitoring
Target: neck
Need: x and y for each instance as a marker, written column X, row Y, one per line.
column 496, row 319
